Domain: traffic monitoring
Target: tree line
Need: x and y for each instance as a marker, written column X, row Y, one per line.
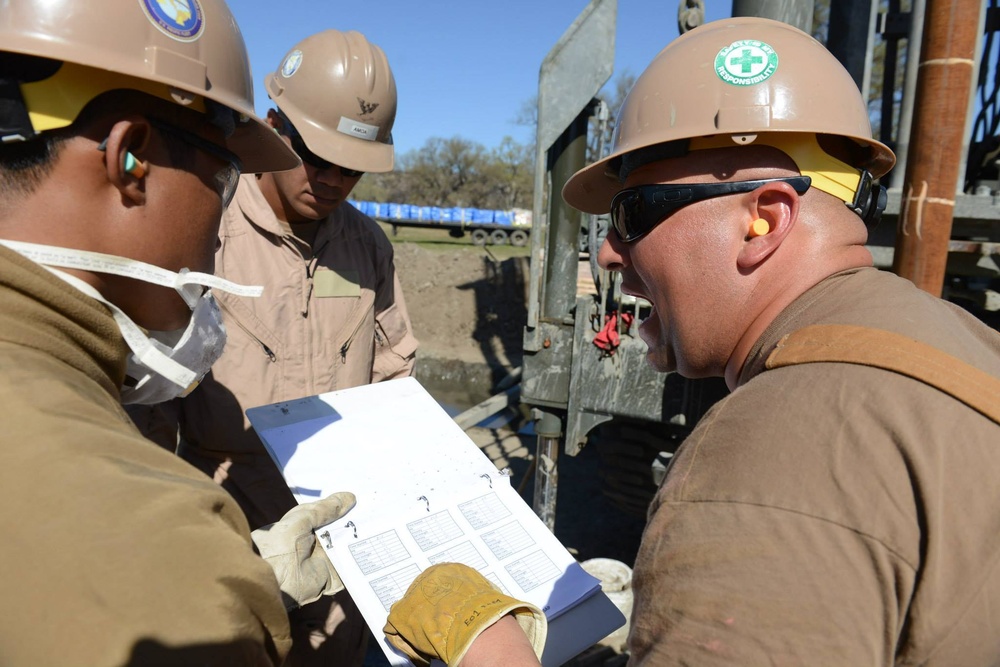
column 457, row 172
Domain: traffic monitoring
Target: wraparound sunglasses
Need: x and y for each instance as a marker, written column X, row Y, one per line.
column 635, row 211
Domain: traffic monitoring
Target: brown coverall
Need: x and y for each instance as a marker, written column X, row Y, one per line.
column 113, row 551
column 831, row 513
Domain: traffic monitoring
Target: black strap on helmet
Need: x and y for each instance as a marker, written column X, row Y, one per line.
column 870, row 200
column 15, row 124
column 15, row 69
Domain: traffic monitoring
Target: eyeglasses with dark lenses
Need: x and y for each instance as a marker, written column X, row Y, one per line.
column 228, row 177
column 635, row 211
column 310, row 158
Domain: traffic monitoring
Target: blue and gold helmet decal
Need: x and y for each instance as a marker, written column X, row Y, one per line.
column 292, row 63
column 182, row 20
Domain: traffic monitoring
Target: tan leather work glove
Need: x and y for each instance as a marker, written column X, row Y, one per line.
column 447, row 607
column 290, row 547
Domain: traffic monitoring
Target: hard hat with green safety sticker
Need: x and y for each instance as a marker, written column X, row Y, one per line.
column 741, row 81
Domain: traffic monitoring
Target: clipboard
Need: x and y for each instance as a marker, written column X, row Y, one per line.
column 426, row 494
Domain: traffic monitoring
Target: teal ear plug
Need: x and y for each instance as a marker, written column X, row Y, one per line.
column 134, row 167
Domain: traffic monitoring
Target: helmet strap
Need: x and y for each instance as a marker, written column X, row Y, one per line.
column 17, row 69
column 870, row 200
column 15, row 124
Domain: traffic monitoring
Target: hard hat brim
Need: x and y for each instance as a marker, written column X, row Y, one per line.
column 333, row 146
column 261, row 149
column 592, row 188
column 345, row 151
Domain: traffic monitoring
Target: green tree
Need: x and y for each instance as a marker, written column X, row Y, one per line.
column 456, row 172
column 442, row 171
column 510, row 169
column 378, row 187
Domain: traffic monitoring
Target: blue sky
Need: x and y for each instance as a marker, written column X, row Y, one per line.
column 463, row 67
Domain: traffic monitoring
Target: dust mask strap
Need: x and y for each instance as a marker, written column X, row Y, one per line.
column 142, row 347
column 189, row 284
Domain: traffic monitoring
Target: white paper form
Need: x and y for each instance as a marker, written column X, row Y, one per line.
column 426, row 494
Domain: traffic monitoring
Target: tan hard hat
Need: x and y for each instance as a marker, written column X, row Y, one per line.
column 338, row 91
column 745, row 79
column 184, row 51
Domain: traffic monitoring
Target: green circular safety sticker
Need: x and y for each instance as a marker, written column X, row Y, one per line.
column 746, row 62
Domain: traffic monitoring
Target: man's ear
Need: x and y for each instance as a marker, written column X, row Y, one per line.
column 123, row 150
column 773, row 211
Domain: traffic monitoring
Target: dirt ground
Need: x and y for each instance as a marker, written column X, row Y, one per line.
column 466, row 303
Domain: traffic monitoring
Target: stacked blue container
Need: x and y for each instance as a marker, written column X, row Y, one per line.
column 455, row 214
column 503, row 217
column 482, row 215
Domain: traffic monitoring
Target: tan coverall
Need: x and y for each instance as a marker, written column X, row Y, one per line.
column 113, row 551
column 332, row 317
column 830, row 513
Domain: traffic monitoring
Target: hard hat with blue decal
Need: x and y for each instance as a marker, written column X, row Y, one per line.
column 338, row 91
column 188, row 52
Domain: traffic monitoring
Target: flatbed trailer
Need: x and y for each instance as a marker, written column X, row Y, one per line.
column 482, row 233
column 485, row 226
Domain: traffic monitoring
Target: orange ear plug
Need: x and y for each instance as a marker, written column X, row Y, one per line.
column 758, row 227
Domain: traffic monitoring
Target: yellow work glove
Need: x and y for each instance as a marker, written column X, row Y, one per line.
column 290, row 547
column 447, row 607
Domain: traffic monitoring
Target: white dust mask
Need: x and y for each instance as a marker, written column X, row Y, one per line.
column 163, row 364
column 194, row 348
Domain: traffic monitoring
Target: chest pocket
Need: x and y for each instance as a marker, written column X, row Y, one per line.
column 236, row 312
column 328, row 283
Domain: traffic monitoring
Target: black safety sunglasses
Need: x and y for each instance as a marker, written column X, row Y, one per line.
column 307, row 156
column 635, row 211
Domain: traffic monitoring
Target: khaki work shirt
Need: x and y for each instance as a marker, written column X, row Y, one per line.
column 830, row 513
column 332, row 316
column 113, row 551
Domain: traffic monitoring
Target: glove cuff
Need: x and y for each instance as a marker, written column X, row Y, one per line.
column 487, row 609
column 532, row 620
